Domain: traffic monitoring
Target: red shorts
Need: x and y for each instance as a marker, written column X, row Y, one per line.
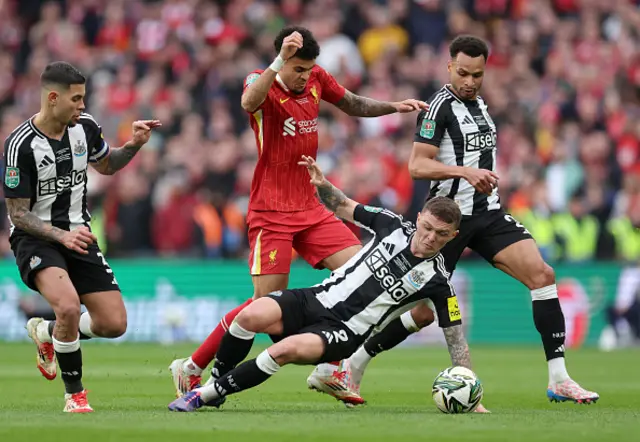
column 315, row 234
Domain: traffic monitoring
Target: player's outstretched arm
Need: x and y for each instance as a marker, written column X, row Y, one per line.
column 121, row 156
column 332, row 197
column 359, row 106
column 458, row 347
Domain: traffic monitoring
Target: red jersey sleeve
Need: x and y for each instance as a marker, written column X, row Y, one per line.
column 332, row 91
column 251, row 78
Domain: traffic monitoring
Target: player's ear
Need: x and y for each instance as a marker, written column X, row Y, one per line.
column 52, row 97
column 449, row 65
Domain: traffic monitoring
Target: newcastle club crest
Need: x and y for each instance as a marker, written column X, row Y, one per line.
column 80, row 148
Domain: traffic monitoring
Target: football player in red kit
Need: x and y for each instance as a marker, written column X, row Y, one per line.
column 283, row 103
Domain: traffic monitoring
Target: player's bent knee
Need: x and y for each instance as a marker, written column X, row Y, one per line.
column 115, row 328
column 422, row 315
column 260, row 316
column 67, row 311
column 284, row 352
column 542, row 275
column 249, row 319
column 305, row 348
column 550, row 275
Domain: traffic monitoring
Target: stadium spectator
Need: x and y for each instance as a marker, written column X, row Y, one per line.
column 564, row 86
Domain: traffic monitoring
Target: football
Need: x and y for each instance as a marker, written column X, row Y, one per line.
column 457, row 390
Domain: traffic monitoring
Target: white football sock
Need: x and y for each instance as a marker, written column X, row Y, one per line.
column 410, row 323
column 66, row 347
column 360, row 359
column 85, row 325
column 557, row 371
column 208, row 392
column 267, row 364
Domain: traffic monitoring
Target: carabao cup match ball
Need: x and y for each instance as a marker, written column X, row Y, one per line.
column 457, row 390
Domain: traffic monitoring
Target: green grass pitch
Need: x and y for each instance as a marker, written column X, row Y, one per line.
column 130, row 388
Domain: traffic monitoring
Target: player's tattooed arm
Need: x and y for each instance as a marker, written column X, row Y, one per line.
column 358, row 106
column 120, row 157
column 331, row 196
column 117, row 159
column 458, row 347
column 336, row 201
column 25, row 220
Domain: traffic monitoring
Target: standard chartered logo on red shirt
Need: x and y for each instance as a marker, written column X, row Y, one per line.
column 289, row 127
column 303, row 127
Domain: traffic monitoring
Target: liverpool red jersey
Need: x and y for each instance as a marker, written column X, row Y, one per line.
column 286, row 127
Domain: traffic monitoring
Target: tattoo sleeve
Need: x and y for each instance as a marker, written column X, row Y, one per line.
column 358, row 106
column 458, row 347
column 25, row 220
column 118, row 158
column 331, row 196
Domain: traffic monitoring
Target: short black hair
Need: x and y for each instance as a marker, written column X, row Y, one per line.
column 310, row 48
column 469, row 45
column 62, row 73
column 445, row 209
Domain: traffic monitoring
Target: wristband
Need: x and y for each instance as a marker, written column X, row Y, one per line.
column 277, row 64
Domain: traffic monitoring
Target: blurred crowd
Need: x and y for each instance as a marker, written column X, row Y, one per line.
column 563, row 86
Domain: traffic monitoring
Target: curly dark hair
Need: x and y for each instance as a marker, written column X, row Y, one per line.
column 310, row 48
column 469, row 45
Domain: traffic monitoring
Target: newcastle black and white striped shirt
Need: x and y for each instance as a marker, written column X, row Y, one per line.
column 53, row 173
column 466, row 136
column 385, row 279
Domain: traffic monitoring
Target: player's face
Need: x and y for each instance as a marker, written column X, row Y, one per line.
column 431, row 234
column 466, row 74
column 295, row 73
column 68, row 104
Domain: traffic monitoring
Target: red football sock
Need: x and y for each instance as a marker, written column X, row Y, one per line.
column 208, row 349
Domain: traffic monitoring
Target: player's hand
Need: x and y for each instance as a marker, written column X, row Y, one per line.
column 480, row 409
column 481, row 179
column 142, row 131
column 410, row 105
column 317, row 177
column 79, row 240
column 290, row 45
